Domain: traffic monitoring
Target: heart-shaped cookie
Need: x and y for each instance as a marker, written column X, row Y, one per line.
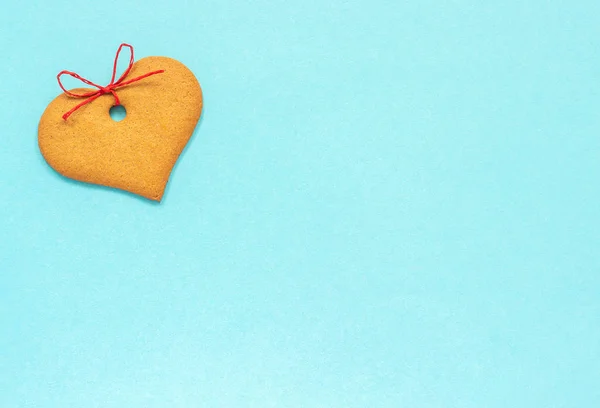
column 138, row 153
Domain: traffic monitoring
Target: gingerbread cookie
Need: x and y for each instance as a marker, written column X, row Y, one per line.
column 163, row 102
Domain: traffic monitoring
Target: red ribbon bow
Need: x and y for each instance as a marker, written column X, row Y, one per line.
column 103, row 90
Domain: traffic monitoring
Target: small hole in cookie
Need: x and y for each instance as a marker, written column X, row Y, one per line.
column 117, row 113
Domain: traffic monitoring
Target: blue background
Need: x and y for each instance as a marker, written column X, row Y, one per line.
column 386, row 204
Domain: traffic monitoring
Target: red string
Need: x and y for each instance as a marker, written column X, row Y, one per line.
column 103, row 90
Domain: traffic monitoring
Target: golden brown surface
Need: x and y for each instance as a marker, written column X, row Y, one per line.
column 138, row 153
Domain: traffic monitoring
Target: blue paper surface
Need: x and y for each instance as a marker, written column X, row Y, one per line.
column 386, row 204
